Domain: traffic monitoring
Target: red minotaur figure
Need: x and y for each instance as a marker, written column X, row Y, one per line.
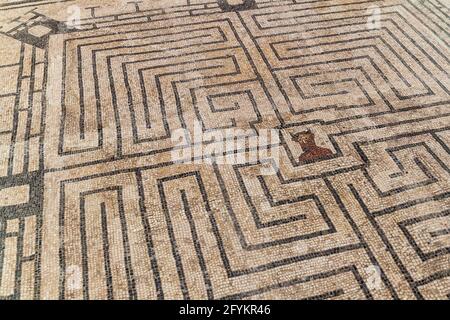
column 311, row 151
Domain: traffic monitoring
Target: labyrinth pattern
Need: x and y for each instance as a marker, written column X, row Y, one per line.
column 93, row 205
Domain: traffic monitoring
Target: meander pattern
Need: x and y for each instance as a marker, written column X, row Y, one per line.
column 92, row 205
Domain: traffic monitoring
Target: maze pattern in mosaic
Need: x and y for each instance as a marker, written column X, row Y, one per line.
column 92, row 206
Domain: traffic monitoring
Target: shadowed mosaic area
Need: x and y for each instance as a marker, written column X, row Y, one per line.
column 93, row 205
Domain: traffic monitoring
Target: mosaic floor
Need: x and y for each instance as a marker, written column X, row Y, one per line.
column 224, row 149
